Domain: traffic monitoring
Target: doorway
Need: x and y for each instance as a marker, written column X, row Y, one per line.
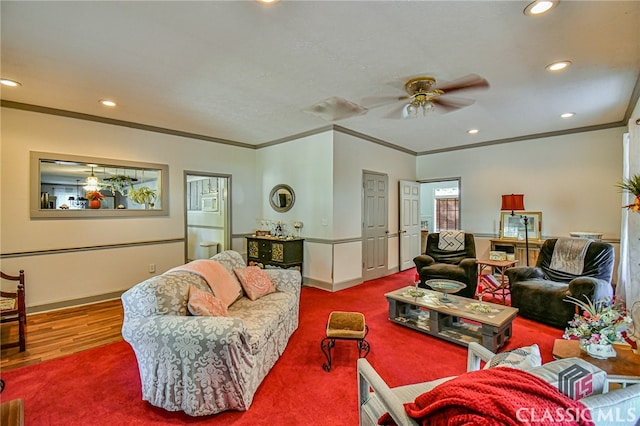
column 439, row 206
column 207, row 214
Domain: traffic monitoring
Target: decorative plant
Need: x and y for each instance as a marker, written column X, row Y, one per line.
column 632, row 185
column 94, row 195
column 143, row 195
column 600, row 323
column 119, row 183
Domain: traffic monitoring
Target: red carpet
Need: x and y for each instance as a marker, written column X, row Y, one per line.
column 102, row 387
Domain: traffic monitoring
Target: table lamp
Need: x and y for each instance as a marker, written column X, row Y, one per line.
column 515, row 202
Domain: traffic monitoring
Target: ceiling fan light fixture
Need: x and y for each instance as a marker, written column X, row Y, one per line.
column 409, row 111
column 539, row 7
column 421, row 101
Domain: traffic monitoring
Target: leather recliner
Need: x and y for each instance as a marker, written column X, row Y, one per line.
column 539, row 292
column 459, row 265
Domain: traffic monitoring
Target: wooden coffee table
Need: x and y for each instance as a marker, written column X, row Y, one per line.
column 624, row 368
column 454, row 321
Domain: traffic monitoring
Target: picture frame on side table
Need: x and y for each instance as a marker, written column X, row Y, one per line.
column 512, row 227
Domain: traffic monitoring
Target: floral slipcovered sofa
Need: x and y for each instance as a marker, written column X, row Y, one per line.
column 207, row 364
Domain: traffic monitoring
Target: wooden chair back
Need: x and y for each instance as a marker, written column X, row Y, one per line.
column 13, row 308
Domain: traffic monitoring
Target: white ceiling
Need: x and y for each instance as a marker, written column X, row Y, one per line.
column 243, row 71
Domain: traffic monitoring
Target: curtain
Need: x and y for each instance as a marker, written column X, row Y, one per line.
column 628, row 286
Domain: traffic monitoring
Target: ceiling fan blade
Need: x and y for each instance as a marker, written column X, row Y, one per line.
column 471, row 81
column 449, row 104
column 376, row 101
column 335, row 108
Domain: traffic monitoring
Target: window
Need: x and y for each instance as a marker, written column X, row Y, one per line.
column 448, row 213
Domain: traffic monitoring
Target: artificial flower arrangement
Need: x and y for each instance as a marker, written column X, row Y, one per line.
column 601, row 323
column 95, row 195
column 632, row 185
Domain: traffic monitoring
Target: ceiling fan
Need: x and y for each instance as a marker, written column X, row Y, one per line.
column 423, row 95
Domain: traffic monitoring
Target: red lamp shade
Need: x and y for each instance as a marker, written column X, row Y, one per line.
column 513, row 202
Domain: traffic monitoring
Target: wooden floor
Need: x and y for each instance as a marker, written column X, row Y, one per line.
column 63, row 332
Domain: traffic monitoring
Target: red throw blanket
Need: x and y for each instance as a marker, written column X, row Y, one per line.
column 497, row 396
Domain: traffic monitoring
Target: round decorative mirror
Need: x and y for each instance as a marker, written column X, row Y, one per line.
column 282, row 198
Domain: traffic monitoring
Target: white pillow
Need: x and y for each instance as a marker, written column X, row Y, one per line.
column 521, row 358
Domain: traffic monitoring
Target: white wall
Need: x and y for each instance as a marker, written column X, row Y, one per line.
column 52, row 278
column 570, row 179
column 325, row 171
column 353, row 156
column 305, row 165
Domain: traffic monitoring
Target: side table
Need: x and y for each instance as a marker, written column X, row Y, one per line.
column 489, row 285
column 623, row 369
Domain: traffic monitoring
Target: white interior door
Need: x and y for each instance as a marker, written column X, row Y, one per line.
column 409, row 223
column 375, row 228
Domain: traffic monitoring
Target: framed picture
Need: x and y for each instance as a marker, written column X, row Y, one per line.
column 512, row 227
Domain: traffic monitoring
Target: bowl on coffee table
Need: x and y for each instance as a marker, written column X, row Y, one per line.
column 446, row 287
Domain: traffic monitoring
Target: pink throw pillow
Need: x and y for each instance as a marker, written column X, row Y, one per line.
column 254, row 282
column 224, row 286
column 202, row 303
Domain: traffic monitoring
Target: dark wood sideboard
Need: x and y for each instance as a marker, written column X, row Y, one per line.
column 517, row 247
column 279, row 252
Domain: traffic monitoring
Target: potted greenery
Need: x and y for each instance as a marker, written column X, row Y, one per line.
column 143, row 195
column 632, row 185
column 119, row 183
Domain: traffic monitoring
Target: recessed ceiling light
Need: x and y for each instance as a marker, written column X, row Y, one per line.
column 107, row 102
column 567, row 114
column 472, row 131
column 10, row 83
column 267, row 1
column 558, row 65
column 539, row 7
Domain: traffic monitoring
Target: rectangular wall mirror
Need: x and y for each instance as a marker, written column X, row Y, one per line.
column 69, row 186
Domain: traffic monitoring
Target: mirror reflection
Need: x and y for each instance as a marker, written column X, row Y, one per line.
column 282, row 198
column 65, row 184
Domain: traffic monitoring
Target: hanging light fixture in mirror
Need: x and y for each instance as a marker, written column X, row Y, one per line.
column 92, row 181
column 77, row 202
